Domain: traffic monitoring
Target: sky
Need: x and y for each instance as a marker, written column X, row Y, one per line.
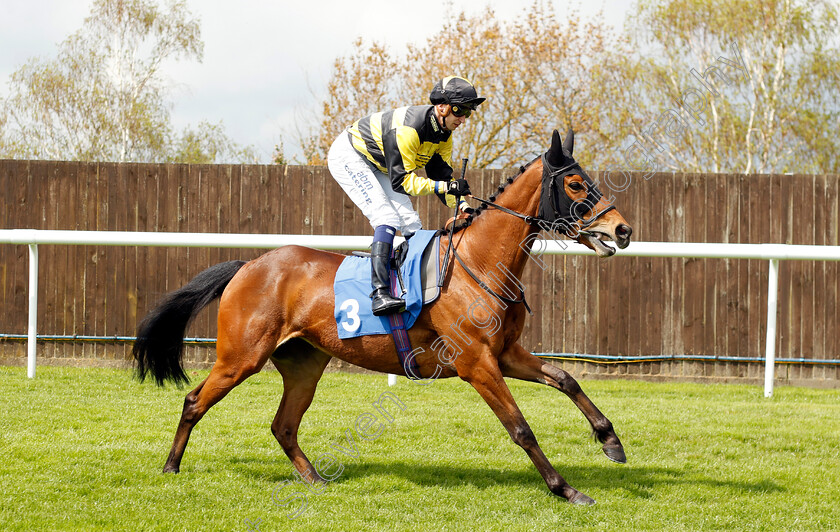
column 266, row 63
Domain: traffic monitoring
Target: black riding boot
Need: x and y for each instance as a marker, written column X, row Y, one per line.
column 380, row 278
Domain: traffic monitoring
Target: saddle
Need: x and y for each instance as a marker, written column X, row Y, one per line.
column 414, row 277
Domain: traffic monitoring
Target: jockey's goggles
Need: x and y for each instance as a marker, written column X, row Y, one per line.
column 461, row 110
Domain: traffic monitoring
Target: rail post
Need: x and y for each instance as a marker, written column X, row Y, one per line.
column 31, row 343
column 770, row 341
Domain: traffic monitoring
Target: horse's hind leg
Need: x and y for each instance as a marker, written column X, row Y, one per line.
column 488, row 381
column 231, row 368
column 517, row 363
column 301, row 366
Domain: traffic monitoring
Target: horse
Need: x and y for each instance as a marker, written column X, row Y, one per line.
column 279, row 307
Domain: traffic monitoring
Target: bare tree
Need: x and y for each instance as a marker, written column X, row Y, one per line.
column 104, row 96
column 733, row 86
column 534, row 71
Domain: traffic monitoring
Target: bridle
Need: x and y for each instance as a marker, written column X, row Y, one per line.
column 566, row 209
column 538, row 221
column 543, row 222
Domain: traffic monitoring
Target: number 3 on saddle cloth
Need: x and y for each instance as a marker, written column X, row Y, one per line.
column 420, row 270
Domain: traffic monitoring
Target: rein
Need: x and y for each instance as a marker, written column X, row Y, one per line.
column 531, row 220
column 451, row 247
column 489, row 290
column 543, row 222
column 535, row 220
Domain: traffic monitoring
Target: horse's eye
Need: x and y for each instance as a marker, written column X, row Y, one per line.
column 576, row 186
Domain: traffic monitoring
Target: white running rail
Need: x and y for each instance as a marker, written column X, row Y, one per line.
column 773, row 253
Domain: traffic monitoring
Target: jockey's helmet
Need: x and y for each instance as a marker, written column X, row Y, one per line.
column 455, row 90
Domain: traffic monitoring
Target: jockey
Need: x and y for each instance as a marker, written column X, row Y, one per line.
column 374, row 161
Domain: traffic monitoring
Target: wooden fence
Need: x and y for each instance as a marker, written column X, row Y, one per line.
column 620, row 306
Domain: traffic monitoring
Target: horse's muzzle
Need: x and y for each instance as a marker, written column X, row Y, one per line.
column 622, row 235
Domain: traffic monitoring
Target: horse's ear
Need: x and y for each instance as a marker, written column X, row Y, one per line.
column 555, row 153
column 569, row 143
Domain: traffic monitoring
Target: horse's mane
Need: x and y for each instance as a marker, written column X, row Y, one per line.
column 483, row 207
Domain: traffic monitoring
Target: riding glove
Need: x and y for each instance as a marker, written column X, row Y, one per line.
column 458, row 187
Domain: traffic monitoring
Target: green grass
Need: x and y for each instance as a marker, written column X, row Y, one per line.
column 82, row 449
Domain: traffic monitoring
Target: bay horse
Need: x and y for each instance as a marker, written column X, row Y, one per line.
column 279, row 307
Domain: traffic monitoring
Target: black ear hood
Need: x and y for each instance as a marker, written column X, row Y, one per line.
column 558, row 162
column 556, row 155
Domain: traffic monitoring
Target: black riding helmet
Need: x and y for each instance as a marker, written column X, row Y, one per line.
column 455, row 90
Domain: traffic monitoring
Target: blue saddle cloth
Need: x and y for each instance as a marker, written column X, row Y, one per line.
column 352, row 287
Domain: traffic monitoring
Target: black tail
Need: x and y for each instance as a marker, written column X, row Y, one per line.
column 160, row 336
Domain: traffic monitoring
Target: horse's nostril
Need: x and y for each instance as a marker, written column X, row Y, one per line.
column 623, row 231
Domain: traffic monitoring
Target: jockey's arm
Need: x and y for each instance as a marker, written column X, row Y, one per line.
column 402, row 159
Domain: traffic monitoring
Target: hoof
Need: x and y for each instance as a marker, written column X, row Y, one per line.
column 615, row 453
column 582, row 499
column 169, row 469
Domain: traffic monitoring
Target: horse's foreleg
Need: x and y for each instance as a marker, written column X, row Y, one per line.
column 301, row 366
column 488, row 381
column 517, row 363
